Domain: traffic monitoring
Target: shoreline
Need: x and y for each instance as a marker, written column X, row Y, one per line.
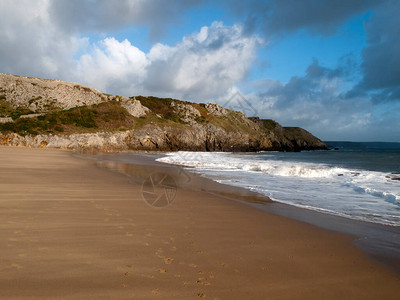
column 76, row 230
column 380, row 242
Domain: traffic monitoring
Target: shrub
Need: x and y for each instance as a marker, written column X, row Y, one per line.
column 160, row 106
column 104, row 116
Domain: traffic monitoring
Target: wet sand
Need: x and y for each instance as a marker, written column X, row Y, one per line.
column 71, row 229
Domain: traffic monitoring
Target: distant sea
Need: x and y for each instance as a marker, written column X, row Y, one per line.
column 354, row 180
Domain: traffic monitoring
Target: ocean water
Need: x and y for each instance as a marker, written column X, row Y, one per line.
column 354, row 180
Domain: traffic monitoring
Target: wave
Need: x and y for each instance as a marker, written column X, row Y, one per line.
column 274, row 168
column 359, row 194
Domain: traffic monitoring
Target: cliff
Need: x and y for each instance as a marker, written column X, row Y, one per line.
column 49, row 113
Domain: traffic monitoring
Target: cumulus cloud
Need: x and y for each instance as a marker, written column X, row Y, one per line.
column 327, row 101
column 50, row 42
column 202, row 65
column 112, row 66
column 30, row 45
column 318, row 101
column 41, row 38
column 46, row 38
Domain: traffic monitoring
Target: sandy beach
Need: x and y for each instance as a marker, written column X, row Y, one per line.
column 72, row 229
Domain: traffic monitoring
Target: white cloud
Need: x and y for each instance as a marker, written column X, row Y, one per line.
column 112, row 65
column 209, row 63
column 46, row 38
column 318, row 103
column 203, row 65
column 30, row 43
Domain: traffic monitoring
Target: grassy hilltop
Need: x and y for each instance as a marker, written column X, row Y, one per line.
column 32, row 107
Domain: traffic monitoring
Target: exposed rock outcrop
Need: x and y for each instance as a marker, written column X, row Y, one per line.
column 42, row 95
column 186, row 112
column 33, row 113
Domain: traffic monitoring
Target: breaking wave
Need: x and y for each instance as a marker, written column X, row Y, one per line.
column 359, row 194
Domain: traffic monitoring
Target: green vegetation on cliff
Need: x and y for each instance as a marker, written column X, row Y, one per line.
column 55, row 111
column 106, row 116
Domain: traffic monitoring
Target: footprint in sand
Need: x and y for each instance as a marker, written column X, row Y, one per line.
column 203, row 281
column 155, row 292
column 168, row 260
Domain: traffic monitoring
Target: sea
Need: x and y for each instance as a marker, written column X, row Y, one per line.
column 359, row 181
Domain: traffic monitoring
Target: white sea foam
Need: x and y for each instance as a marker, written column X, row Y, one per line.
column 358, row 194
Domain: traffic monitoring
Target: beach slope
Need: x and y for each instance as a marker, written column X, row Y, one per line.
column 70, row 229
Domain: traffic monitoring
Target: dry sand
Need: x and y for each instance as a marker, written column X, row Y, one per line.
column 70, row 229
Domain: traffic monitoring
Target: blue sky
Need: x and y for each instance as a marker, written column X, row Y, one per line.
column 331, row 67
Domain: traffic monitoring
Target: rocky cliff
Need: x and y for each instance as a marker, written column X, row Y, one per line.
column 48, row 113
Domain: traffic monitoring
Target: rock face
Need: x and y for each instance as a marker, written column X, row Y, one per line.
column 154, row 138
column 148, row 123
column 186, row 112
column 42, row 95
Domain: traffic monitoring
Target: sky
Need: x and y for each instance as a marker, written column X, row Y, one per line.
column 331, row 67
